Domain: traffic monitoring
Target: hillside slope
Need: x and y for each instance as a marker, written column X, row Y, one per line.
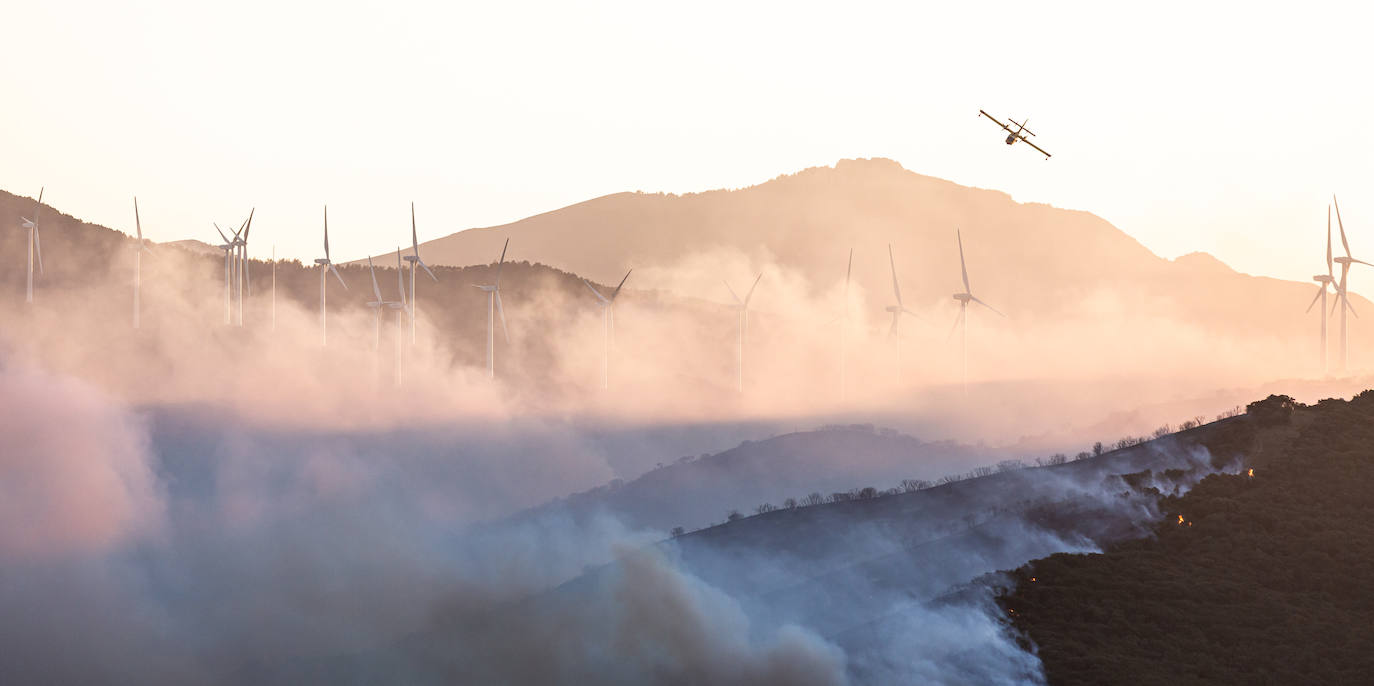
column 1262, row 579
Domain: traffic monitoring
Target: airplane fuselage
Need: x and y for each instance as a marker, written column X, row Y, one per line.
column 1011, row 138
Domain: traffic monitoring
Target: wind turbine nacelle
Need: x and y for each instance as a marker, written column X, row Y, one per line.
column 321, row 261
column 410, row 258
column 1323, row 278
column 892, row 308
column 1343, row 260
column 963, row 297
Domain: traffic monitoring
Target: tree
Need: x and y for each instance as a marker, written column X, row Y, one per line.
column 790, row 503
column 1098, row 448
column 912, row 485
column 677, row 531
column 868, row 492
column 815, row 498
column 734, row 514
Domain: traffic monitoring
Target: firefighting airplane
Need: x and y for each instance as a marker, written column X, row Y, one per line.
column 1017, row 135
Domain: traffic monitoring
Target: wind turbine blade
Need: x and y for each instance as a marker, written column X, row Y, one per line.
column 892, row 328
column 911, row 313
column 425, row 267
column 138, row 224
column 326, row 234
column 336, row 275
column 1344, row 243
column 38, row 248
column 1320, row 289
column 1361, row 262
column 221, row 233
column 501, row 311
column 850, row 269
column 622, row 283
column 896, row 290
column 400, row 283
column 414, row 241
column 990, row 307
column 502, row 262
column 38, row 205
column 1328, row 240
column 248, row 228
column 750, row 294
column 594, row 291
column 1350, row 307
column 732, row 292
column 962, row 268
column 376, row 290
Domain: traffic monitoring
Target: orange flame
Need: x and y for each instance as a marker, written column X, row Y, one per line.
column 1180, row 520
column 1250, row 472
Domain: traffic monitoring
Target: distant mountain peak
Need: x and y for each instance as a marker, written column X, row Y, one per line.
column 1202, row 261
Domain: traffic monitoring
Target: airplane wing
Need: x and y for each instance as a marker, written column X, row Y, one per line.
column 1027, row 142
column 994, row 119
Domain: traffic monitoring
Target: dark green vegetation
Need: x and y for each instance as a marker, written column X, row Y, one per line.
column 1267, row 579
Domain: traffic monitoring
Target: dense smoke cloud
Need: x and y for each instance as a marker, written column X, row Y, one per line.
column 75, row 474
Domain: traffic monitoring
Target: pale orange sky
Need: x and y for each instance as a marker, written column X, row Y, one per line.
column 1222, row 129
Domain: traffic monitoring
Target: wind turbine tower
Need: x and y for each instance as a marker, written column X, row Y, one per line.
column 607, row 323
column 964, row 299
column 326, row 266
column 227, row 246
column 138, row 262
column 35, row 247
column 844, row 326
column 493, row 291
column 743, row 307
column 1323, row 282
column 402, row 308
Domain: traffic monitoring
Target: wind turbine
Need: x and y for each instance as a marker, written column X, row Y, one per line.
column 244, row 279
column 899, row 309
column 326, row 266
column 414, row 260
column 274, row 287
column 35, row 246
column 493, row 291
column 607, row 322
column 743, row 307
column 1342, row 295
column 376, row 306
column 227, row 246
column 1323, row 281
column 964, row 298
column 402, row 308
column 844, row 324
column 138, row 261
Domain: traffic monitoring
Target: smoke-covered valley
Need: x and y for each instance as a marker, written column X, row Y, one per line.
column 198, row 502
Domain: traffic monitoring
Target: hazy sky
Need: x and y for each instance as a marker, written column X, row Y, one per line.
column 1192, row 127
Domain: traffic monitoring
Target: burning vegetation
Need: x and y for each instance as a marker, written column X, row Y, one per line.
column 1266, row 591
